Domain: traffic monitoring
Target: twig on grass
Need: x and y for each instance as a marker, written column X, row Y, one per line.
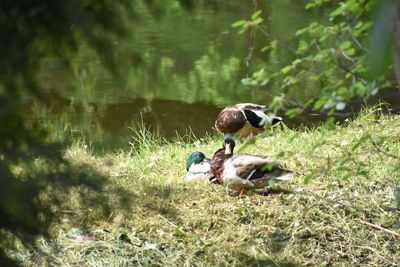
column 375, row 226
column 171, row 223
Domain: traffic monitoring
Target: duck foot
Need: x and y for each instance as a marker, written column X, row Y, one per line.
column 241, row 193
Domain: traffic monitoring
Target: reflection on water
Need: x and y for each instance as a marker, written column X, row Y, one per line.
column 179, row 70
column 110, row 126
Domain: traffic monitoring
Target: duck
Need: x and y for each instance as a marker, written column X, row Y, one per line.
column 244, row 171
column 198, row 167
column 244, row 119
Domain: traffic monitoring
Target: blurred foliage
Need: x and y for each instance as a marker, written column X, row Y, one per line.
column 30, row 33
column 331, row 55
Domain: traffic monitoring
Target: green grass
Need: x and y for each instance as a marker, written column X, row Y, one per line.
column 153, row 217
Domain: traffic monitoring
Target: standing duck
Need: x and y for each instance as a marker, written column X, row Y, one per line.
column 198, row 167
column 243, row 171
column 244, row 119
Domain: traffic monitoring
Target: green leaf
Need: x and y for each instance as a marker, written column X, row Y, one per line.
column 265, row 48
column 244, row 28
column 256, row 14
column 342, row 90
column 239, row 23
column 338, row 10
column 257, row 21
column 350, row 51
column 302, row 31
column 345, row 45
column 319, row 103
column 286, row 69
column 296, row 61
column 303, row 46
column 310, row 5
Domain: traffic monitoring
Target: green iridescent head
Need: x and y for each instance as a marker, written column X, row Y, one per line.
column 195, row 157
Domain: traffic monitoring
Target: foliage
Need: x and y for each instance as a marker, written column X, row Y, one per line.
column 30, row 33
column 331, row 55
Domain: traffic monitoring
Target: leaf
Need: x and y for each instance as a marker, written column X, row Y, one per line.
column 310, row 5
column 338, row 10
column 256, row 14
column 286, row 69
column 350, row 51
column 345, row 45
column 319, row 103
column 239, row 23
column 301, row 31
column 265, row 48
column 296, row 61
column 244, row 28
column 342, row 90
column 303, row 46
column 258, row 21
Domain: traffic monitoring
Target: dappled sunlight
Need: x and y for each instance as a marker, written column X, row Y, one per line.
column 153, row 215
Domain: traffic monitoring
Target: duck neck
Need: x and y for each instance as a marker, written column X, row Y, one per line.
column 217, row 163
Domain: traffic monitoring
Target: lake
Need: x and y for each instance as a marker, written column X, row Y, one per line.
column 178, row 68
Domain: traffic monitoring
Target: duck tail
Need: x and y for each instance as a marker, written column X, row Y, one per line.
column 270, row 119
column 275, row 120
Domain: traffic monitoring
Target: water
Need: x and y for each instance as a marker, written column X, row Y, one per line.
column 178, row 70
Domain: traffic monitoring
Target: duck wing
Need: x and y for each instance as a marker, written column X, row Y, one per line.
column 259, row 119
column 251, row 167
column 256, row 119
column 230, row 120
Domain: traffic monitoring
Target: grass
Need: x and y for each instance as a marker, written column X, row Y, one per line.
column 346, row 175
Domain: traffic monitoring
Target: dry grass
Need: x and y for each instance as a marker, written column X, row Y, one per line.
column 351, row 173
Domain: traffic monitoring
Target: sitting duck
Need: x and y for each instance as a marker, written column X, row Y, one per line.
column 243, row 171
column 198, row 168
column 244, row 119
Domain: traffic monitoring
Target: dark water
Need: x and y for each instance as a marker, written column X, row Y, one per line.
column 186, row 66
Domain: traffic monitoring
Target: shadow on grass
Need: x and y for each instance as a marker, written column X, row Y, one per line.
column 266, row 191
column 275, row 190
column 40, row 189
column 4, row 261
column 160, row 200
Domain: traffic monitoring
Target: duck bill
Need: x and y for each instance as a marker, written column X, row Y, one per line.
column 228, row 149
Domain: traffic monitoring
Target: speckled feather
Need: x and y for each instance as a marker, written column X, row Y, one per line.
column 230, row 120
column 217, row 164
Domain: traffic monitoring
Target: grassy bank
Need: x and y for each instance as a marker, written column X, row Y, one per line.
column 148, row 215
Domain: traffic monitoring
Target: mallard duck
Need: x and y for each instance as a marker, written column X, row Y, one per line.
column 244, row 119
column 243, row 171
column 198, row 167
